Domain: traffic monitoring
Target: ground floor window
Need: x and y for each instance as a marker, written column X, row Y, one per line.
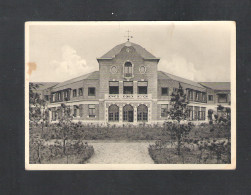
column 81, row 110
column 190, row 112
column 142, row 111
column 113, row 113
column 202, row 114
column 75, row 111
column 54, row 115
column 164, row 110
column 196, row 112
column 92, row 110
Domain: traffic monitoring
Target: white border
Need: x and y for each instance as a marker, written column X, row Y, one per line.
column 135, row 166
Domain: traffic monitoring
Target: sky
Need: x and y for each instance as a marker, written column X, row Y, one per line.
column 198, row 51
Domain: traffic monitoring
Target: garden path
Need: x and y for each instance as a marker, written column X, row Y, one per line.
column 120, row 152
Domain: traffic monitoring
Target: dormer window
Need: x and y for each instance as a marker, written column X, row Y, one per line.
column 128, row 69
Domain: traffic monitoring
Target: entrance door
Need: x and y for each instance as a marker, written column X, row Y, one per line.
column 128, row 113
column 130, row 116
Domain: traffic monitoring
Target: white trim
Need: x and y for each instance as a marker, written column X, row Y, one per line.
column 74, row 103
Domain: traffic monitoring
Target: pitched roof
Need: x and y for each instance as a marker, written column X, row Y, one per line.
column 45, row 85
column 90, row 76
column 165, row 75
column 217, row 85
column 140, row 50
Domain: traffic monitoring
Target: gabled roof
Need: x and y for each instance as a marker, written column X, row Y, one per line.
column 140, row 50
column 165, row 75
column 90, row 76
column 217, row 85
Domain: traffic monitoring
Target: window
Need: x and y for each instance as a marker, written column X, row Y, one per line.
column 204, row 97
column 197, row 96
column 196, row 112
column 190, row 94
column 113, row 87
column 142, row 87
column 80, row 91
column 91, row 91
column 59, row 96
column 142, row 111
column 222, row 98
column 190, row 112
column 81, row 110
column 128, row 87
column 210, row 97
column 202, row 114
column 128, row 69
column 53, row 97
column 66, row 95
column 54, row 115
column 75, row 111
column 113, row 113
column 74, row 92
column 92, row 110
column 164, row 110
column 164, row 91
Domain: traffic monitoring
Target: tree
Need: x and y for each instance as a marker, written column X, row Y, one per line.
column 178, row 112
column 65, row 124
column 38, row 111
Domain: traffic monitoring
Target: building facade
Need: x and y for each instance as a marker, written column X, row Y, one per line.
column 128, row 88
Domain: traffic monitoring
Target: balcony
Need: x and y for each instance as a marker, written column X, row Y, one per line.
column 128, row 96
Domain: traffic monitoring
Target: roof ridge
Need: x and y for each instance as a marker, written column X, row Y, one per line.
column 76, row 78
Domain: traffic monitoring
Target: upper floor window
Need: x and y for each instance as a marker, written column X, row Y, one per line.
column 210, row 97
column 113, row 87
column 59, row 96
column 142, row 87
column 204, row 97
column 222, row 98
column 74, row 92
column 190, row 94
column 164, row 91
column 128, row 69
column 128, row 87
column 80, row 91
column 91, row 91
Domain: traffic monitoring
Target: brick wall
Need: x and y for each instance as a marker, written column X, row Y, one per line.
column 119, row 61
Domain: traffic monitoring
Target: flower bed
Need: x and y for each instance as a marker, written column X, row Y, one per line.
column 196, row 152
column 54, row 153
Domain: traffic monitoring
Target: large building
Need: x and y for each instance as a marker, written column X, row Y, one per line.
column 128, row 88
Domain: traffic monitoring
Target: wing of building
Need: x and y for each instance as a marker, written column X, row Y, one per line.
column 128, row 88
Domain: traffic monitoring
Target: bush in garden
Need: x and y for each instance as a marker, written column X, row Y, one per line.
column 218, row 148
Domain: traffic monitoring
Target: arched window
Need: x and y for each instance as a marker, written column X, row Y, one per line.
column 128, row 113
column 113, row 113
column 128, row 69
column 142, row 113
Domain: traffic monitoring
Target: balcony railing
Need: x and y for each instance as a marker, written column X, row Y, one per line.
column 128, row 96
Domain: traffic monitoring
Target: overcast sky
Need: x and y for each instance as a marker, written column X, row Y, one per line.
column 200, row 52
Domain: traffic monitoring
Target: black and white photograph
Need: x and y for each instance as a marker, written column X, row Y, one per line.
column 130, row 95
